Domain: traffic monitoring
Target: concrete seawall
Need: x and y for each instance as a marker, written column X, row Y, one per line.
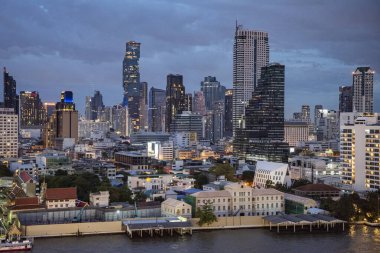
column 72, row 229
column 231, row 223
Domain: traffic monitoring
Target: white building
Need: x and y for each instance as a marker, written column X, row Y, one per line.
column 296, row 132
column 100, row 199
column 275, row 172
column 220, row 201
column 154, row 183
column 185, row 139
column 241, row 199
column 267, row 202
column 173, row 208
column 8, row 133
column 88, row 128
column 360, row 150
column 160, row 150
column 251, row 53
column 60, row 197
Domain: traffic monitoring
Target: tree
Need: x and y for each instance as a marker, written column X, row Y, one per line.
column 139, row 197
column 5, row 172
column 248, row 176
column 200, row 180
column 268, row 183
column 223, row 169
column 61, row 173
column 206, row 214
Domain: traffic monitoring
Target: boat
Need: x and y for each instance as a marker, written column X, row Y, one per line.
column 19, row 245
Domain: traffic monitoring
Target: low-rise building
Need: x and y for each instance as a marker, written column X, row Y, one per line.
column 274, row 173
column 172, row 208
column 267, row 202
column 298, row 205
column 220, row 200
column 317, row 191
column 153, row 183
column 100, row 199
column 133, row 160
column 241, row 199
column 60, row 197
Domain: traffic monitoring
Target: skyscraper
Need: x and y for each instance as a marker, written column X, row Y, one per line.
column 175, row 98
column 96, row 104
column 363, row 89
column 262, row 137
column 251, row 53
column 9, row 133
column 317, row 113
column 87, row 112
column 199, row 104
column 131, row 70
column 32, row 112
column 188, row 102
column 217, row 121
column 187, row 122
column 306, row 113
column 143, row 106
column 212, row 91
column 9, row 92
column 157, row 104
column 228, row 101
column 345, row 99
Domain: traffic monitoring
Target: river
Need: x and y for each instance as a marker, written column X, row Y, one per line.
column 357, row 239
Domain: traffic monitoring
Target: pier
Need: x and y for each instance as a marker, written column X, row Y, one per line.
column 159, row 227
column 304, row 222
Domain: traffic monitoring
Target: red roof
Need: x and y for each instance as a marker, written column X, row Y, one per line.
column 25, row 177
column 61, row 193
column 316, row 188
column 26, row 201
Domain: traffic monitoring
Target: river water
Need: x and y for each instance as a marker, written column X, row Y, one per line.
column 357, row 239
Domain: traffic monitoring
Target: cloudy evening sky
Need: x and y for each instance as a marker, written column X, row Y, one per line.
column 51, row 46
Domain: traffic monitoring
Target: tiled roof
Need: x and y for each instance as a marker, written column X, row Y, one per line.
column 316, row 188
column 25, row 177
column 26, row 201
column 267, row 191
column 212, row 194
column 61, row 193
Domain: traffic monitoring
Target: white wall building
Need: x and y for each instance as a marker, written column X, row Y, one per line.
column 154, row 183
column 360, row 150
column 220, row 201
column 8, row 133
column 275, row 172
column 97, row 129
column 173, row 208
column 296, row 132
column 241, row 199
column 160, row 150
column 185, row 139
column 100, row 199
column 267, row 202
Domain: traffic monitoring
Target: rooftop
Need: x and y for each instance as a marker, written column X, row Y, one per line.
column 298, row 199
column 211, row 194
column 173, row 202
column 263, row 191
column 316, row 188
column 61, row 193
column 271, row 166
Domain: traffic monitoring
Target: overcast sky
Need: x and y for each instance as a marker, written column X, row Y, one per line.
column 51, row 46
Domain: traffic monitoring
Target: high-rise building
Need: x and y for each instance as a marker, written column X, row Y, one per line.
column 199, row 104
column 63, row 124
column 261, row 137
column 296, row 132
column 32, row 112
column 9, row 133
column 251, row 53
column 175, row 99
column 212, row 91
column 306, row 113
column 187, row 122
column 317, row 113
column 9, row 92
column 363, row 89
column 217, row 121
column 96, row 104
column 326, row 126
column 359, row 150
column 143, row 107
column 157, row 105
column 121, row 121
column 188, row 102
column 49, row 108
column 87, row 112
column 131, row 70
column 345, row 99
column 228, row 101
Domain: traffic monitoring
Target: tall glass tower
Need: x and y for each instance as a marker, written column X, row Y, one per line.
column 131, row 70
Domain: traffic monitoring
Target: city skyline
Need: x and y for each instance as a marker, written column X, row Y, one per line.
column 317, row 61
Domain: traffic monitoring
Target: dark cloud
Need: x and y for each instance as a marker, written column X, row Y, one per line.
column 51, row 46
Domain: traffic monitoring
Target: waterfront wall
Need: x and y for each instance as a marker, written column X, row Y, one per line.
column 72, row 229
column 232, row 222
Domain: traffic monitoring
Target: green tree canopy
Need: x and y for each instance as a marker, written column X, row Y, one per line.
column 205, row 214
column 223, row 169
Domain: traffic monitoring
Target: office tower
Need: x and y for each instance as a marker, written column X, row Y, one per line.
column 327, row 127
column 317, row 114
column 9, row 133
column 157, row 105
column 87, row 112
column 363, row 89
column 359, row 150
column 96, row 104
column 345, row 99
column 207, row 126
column 306, row 113
column 175, row 99
column 296, row 132
column 297, row 116
column 187, row 122
column 143, row 107
column 217, row 121
column 106, row 115
column 62, row 128
column 188, row 102
column 250, row 54
column 32, row 112
column 49, row 108
column 121, row 121
column 212, row 91
column 228, row 102
column 199, row 104
column 9, row 92
column 131, row 71
column 262, row 136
